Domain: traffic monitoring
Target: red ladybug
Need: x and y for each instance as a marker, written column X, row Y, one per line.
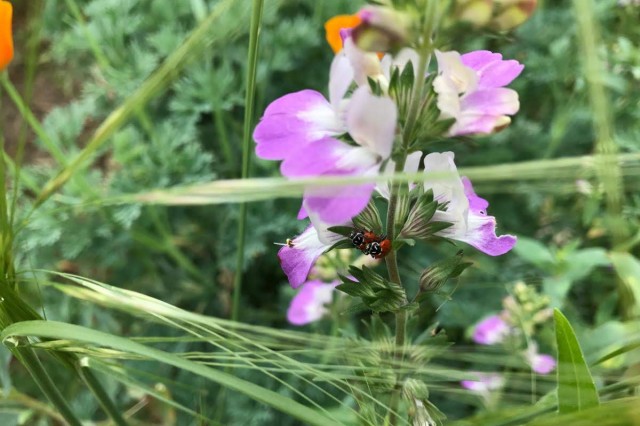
column 379, row 249
column 370, row 244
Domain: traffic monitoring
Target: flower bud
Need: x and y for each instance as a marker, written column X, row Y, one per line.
column 512, row 13
column 6, row 38
column 476, row 12
column 381, row 29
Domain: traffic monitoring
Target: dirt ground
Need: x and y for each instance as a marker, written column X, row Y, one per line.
column 45, row 93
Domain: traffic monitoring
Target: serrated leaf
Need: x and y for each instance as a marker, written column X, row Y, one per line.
column 576, row 388
column 436, row 275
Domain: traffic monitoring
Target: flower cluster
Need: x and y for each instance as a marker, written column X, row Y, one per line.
column 361, row 130
column 515, row 326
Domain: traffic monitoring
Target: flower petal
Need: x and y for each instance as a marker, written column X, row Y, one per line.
column 340, row 78
column 499, row 73
column 292, row 121
column 478, row 59
column 491, row 330
column 410, row 166
column 296, row 261
column 314, row 159
column 484, row 382
column 543, row 364
column 6, row 36
column 481, row 232
column 472, row 124
column 309, row 304
column 365, row 64
column 443, row 179
column 334, row 26
column 371, row 121
column 498, row 101
column 337, row 205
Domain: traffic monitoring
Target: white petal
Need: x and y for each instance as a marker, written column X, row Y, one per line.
column 443, row 178
column 371, row 121
column 340, row 78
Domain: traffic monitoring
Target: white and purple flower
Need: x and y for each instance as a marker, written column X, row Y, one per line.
column 471, row 90
column 465, row 210
column 310, row 304
column 491, row 330
column 302, row 129
column 540, row 363
column 298, row 257
column 484, row 383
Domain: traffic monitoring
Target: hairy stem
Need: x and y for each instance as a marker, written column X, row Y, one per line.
column 413, row 114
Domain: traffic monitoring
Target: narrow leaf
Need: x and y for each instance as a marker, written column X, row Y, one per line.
column 576, row 389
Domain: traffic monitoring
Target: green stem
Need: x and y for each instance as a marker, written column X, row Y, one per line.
column 256, row 17
column 35, row 368
column 103, row 399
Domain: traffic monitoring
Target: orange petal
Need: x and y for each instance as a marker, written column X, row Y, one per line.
column 333, row 27
column 6, row 39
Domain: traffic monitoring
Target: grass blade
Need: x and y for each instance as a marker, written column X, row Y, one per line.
column 59, row 330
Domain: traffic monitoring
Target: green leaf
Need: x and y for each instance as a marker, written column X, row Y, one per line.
column 628, row 269
column 436, row 275
column 369, row 219
column 345, row 231
column 533, row 252
column 576, row 389
column 59, row 330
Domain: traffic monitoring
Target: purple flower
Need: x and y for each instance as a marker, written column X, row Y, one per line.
column 295, row 120
column 301, row 130
column 491, row 330
column 298, row 257
column 470, row 88
column 309, row 304
column 484, row 383
column 540, row 363
column 465, row 210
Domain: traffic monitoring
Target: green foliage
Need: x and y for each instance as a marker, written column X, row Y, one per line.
column 377, row 293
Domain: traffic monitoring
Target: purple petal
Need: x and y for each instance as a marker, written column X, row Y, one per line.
column 479, row 59
column 292, row 121
column 499, row 73
column 469, row 124
column 543, row 364
column 481, row 232
column 302, row 213
column 309, row 304
column 498, row 101
column 484, row 382
column 336, row 205
column 296, row 261
column 314, row 159
column 491, row 330
column 371, row 121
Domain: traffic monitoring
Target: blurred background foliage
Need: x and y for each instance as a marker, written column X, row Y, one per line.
column 77, row 60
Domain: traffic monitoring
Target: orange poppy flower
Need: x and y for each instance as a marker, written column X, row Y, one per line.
column 6, row 39
column 337, row 23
